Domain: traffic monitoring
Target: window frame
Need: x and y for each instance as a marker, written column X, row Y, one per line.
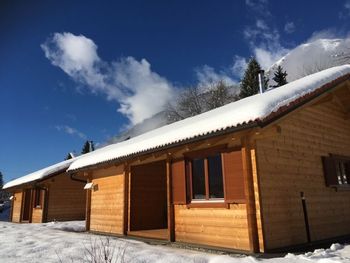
column 38, row 198
column 338, row 160
column 204, row 154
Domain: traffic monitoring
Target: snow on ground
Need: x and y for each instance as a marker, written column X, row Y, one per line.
column 64, row 242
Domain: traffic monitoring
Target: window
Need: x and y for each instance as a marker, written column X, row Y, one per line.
column 342, row 172
column 336, row 170
column 38, row 198
column 207, row 177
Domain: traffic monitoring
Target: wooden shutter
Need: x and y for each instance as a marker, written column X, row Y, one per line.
column 330, row 170
column 233, row 177
column 178, row 176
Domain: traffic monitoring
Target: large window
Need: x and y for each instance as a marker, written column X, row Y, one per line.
column 207, row 177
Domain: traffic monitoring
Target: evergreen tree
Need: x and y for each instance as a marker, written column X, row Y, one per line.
column 280, row 77
column 250, row 81
column 88, row 147
column 1, row 181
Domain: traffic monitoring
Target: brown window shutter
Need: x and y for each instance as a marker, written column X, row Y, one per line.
column 330, row 172
column 178, row 181
column 233, row 177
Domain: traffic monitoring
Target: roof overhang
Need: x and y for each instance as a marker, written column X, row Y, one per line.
column 258, row 123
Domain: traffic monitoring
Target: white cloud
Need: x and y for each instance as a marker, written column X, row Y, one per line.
column 259, row 6
column 72, row 131
column 345, row 13
column 325, row 34
column 289, row 27
column 239, row 66
column 207, row 75
column 139, row 91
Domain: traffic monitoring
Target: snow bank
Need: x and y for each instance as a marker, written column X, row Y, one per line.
column 69, row 226
column 40, row 174
column 234, row 114
column 46, row 243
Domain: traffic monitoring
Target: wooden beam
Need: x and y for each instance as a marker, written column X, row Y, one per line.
column 129, row 198
column 171, row 219
column 250, row 196
column 12, row 202
column 31, row 204
column 126, row 198
column 88, row 205
column 46, row 205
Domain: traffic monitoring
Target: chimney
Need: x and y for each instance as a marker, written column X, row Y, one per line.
column 90, row 146
column 261, row 79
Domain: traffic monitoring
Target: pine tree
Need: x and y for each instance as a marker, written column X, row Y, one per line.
column 1, row 181
column 250, row 81
column 88, row 147
column 280, row 77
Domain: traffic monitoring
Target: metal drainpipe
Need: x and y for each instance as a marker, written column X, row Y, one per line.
column 306, row 218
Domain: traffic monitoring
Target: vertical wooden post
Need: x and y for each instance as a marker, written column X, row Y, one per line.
column 88, row 205
column 129, row 196
column 12, row 203
column 31, row 204
column 126, row 199
column 46, row 205
column 250, row 195
column 171, row 225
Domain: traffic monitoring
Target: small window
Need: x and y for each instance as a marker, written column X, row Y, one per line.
column 207, row 177
column 337, row 170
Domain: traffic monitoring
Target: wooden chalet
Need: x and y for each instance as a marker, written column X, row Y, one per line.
column 47, row 195
column 262, row 173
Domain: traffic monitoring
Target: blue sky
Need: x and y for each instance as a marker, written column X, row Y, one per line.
column 77, row 70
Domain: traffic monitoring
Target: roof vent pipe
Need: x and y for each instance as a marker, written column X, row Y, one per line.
column 261, row 81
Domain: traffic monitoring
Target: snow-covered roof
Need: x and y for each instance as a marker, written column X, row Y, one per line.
column 40, row 174
column 239, row 114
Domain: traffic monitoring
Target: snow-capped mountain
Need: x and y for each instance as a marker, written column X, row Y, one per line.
column 312, row 57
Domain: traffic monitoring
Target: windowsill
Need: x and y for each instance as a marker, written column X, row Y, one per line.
column 342, row 187
column 220, row 203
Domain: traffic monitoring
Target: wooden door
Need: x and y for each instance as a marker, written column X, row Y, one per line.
column 148, row 197
column 26, row 205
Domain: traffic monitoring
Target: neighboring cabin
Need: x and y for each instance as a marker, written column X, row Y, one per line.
column 46, row 195
column 246, row 176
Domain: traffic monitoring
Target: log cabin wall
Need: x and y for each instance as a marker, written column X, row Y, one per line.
column 107, row 200
column 66, row 198
column 290, row 163
column 17, row 206
column 37, row 215
column 225, row 227
column 218, row 227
